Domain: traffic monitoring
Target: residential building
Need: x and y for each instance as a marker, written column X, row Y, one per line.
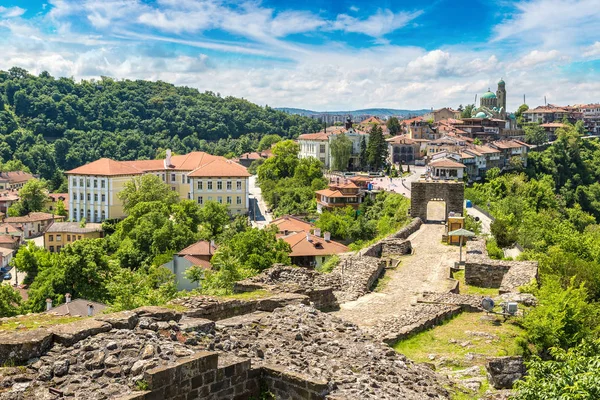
column 510, row 149
column 312, row 250
column 367, row 124
column 248, row 158
column 75, row 308
column 551, row 127
column 361, row 181
column 60, row 234
column 11, row 230
column 6, row 255
column 421, row 130
column 441, row 114
column 54, row 198
column 14, row 180
column 318, row 145
column 448, row 144
column 339, row 195
column 198, row 254
column 10, row 241
column 552, row 113
column 34, row 224
column 591, row 117
column 403, row 149
column 94, row 187
column 7, row 199
column 446, row 168
column 289, row 224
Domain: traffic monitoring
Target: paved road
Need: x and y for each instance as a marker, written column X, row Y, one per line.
column 257, row 205
column 485, row 220
column 400, row 185
column 426, row 270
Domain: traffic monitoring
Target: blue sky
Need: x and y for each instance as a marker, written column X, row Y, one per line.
column 322, row 55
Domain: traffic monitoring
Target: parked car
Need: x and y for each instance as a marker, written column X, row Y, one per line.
column 349, row 174
column 4, row 270
column 7, row 277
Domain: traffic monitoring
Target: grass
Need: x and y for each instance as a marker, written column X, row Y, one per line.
column 256, row 294
column 468, row 289
column 446, row 339
column 27, row 322
column 382, row 283
column 458, row 394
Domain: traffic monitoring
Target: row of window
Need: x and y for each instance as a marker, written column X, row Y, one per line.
column 59, row 237
column 52, row 249
column 89, row 182
column 228, row 200
column 311, row 147
column 89, row 197
column 228, row 185
column 88, row 214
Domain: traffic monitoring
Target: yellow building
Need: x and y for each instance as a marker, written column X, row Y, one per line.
column 60, row 234
column 14, row 180
column 94, row 187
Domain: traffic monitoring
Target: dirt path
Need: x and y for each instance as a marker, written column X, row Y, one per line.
column 426, row 270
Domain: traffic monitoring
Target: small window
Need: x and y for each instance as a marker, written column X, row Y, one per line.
column 78, row 237
column 57, row 249
column 80, row 196
column 228, row 199
column 173, row 188
column 163, row 178
column 209, row 185
column 239, row 185
column 95, row 183
column 95, row 197
column 103, row 215
column 68, row 238
column 238, row 200
column 220, row 199
column 173, row 177
column 182, row 178
column 81, row 182
column 209, row 198
column 87, row 182
column 200, row 185
column 58, row 238
column 52, row 249
column 51, row 238
column 102, row 183
column 200, row 200
column 89, row 197
column 228, row 185
column 219, row 185
column 103, row 197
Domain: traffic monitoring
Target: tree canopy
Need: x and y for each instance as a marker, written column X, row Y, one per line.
column 341, row 151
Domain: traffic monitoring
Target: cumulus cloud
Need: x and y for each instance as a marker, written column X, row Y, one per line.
column 593, row 50
column 11, row 12
column 376, row 25
column 536, row 57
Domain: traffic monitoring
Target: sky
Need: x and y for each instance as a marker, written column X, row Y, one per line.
column 320, row 55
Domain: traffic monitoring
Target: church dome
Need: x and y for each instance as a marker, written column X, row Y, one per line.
column 481, row 114
column 501, row 82
column 488, row 95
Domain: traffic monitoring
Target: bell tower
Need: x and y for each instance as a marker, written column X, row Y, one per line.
column 501, row 95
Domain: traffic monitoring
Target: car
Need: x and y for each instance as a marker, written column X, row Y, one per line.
column 4, row 270
column 7, row 277
column 349, row 174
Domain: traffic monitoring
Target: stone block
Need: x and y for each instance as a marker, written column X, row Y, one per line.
column 68, row 334
column 196, row 325
column 504, row 371
column 120, row 320
column 20, row 346
column 158, row 313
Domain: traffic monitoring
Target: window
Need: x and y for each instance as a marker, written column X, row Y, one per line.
column 238, row 200
column 173, row 188
column 58, row 238
column 228, row 199
column 182, row 178
column 57, row 249
column 219, row 185
column 89, row 214
column 209, row 198
column 200, row 186
column 103, row 197
column 80, row 196
column 188, row 179
column 239, row 185
column 87, row 182
column 88, row 197
column 51, row 238
column 95, row 183
column 78, row 237
column 52, row 249
column 102, row 183
column 322, row 148
column 163, row 177
column 209, row 185
column 200, row 200
column 73, row 183
column 81, row 182
column 228, row 185
column 103, row 215
column 81, row 213
column 173, row 177
column 95, row 215
column 68, row 238
column 95, row 197
column 220, row 199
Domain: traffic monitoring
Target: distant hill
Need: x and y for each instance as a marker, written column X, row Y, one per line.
column 379, row 112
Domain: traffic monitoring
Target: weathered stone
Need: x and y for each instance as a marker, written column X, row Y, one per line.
column 120, row 320
column 68, row 334
column 158, row 313
column 20, row 346
column 196, row 325
column 421, row 192
column 504, row 371
column 61, row 368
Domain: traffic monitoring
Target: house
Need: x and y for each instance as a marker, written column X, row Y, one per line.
column 10, row 241
column 60, row 234
column 248, row 158
column 14, row 180
column 198, row 254
column 510, row 149
column 361, row 181
column 591, row 117
column 403, row 149
column 446, row 168
column 289, row 224
column 11, row 230
column 442, row 113
column 7, row 199
column 94, row 187
column 551, row 127
column 448, row 144
column 552, row 113
column 6, row 256
column 54, row 198
column 75, row 308
column 339, row 195
column 318, row 145
column 367, row 124
column 311, row 250
column 34, row 224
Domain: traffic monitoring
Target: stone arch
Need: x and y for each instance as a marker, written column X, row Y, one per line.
column 453, row 193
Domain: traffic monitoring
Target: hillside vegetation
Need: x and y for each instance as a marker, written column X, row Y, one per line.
column 55, row 124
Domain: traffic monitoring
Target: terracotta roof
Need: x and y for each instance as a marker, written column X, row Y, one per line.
column 553, row 125
column 466, row 155
column 59, row 196
column 360, row 178
column 74, row 227
column 250, row 156
column 33, row 217
column 8, row 239
column 218, row 167
column 289, row 223
column 400, row 139
column 345, row 185
column 15, row 176
column 317, row 246
column 105, row 167
column 5, row 252
column 411, row 120
column 200, row 248
column 315, row 136
column 77, row 307
column 8, row 228
column 9, row 196
column 485, row 149
column 507, row 144
column 334, row 193
column 446, row 163
column 545, row 109
column 197, row 261
column 372, row 120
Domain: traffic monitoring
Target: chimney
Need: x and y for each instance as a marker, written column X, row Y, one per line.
column 67, row 297
column 6, row 229
column 90, row 308
column 308, row 237
column 318, row 232
column 48, row 304
column 168, row 158
column 327, row 236
column 212, row 245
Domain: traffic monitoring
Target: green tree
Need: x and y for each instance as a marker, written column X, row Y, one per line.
column 363, row 159
column 30, row 259
column 341, row 151
column 10, row 301
column 32, row 196
column 535, row 134
column 377, row 149
column 214, row 217
column 467, row 111
column 267, row 141
column 60, row 208
column 393, row 126
column 519, row 114
column 146, row 188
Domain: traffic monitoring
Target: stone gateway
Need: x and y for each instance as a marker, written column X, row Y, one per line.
column 453, row 193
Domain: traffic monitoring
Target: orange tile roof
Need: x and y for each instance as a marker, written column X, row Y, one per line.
column 315, row 136
column 200, row 248
column 9, row 196
column 289, row 223
column 105, row 167
column 33, row 217
column 8, row 239
column 411, row 120
column 15, row 176
column 197, row 261
column 553, row 125
column 220, row 166
column 446, row 163
column 372, row 120
column 507, row 144
column 466, row 155
column 401, row 139
column 59, row 196
column 8, row 228
column 317, row 246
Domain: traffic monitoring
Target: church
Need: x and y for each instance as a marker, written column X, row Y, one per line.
column 492, row 105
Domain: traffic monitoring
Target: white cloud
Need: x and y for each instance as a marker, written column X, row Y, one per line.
column 354, row 9
column 536, row 57
column 11, row 12
column 593, row 50
column 376, row 25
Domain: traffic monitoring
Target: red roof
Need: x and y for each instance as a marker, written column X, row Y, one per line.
column 446, row 163
column 288, row 223
column 313, row 246
column 200, row 248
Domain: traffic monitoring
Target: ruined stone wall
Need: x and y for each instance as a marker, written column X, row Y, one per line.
column 289, row 385
column 507, row 276
column 408, row 230
column 453, row 193
column 377, row 249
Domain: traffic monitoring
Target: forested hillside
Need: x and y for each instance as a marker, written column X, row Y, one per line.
column 57, row 123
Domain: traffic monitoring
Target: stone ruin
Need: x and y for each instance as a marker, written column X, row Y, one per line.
column 507, row 276
column 293, row 351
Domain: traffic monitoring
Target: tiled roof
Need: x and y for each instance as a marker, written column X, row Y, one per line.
column 200, row 262
column 400, row 139
column 507, row 144
column 553, row 125
column 411, row 120
column 334, row 193
column 15, row 176
column 372, row 120
column 59, row 196
column 74, row 227
column 446, row 163
column 220, row 166
column 8, row 239
column 485, row 149
column 288, row 223
column 8, row 228
column 316, row 246
column 200, row 248
column 466, row 155
column 105, row 167
column 5, row 252
column 9, row 196
column 33, row 217
column 78, row 307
